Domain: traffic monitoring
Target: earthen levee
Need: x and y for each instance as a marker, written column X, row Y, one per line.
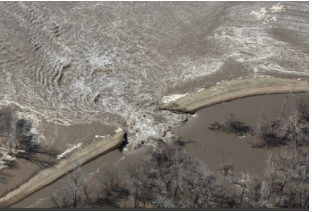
column 50, row 175
column 233, row 90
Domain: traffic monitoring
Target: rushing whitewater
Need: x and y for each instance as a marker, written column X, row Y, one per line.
column 67, row 63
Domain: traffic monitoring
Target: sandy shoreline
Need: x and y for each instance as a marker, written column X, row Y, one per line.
column 48, row 176
column 235, row 89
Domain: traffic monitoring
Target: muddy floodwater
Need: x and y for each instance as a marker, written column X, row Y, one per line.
column 75, row 70
column 214, row 148
column 66, row 139
column 40, row 198
column 76, row 63
column 208, row 146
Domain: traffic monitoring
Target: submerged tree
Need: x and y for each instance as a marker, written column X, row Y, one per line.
column 302, row 106
column 230, row 124
column 73, row 193
column 8, row 127
column 170, row 178
column 286, row 182
column 108, row 179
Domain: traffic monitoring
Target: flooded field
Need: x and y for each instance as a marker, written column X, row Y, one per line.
column 208, row 146
column 214, row 148
column 77, row 70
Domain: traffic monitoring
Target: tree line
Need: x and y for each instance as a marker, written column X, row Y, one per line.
column 17, row 138
column 171, row 178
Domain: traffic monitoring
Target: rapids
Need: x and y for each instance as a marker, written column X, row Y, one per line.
column 111, row 63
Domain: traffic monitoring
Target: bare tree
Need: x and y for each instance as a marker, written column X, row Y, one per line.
column 298, row 194
column 302, row 106
column 286, row 180
column 108, row 179
column 295, row 130
column 170, row 178
column 230, row 124
column 58, row 199
column 70, row 196
column 282, row 110
column 270, row 133
column 226, row 169
column 9, row 121
column 263, row 126
column 271, row 178
column 137, row 179
column 241, row 188
column 75, row 183
column 87, row 189
column 253, row 194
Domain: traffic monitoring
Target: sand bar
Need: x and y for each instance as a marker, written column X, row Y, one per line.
column 235, row 89
column 48, row 176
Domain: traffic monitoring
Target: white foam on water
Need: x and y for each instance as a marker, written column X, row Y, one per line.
column 260, row 14
column 118, row 130
column 102, row 136
column 5, row 156
column 173, row 97
column 120, row 160
column 201, row 89
column 68, row 151
column 128, row 73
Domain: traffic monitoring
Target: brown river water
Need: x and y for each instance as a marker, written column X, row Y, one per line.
column 69, row 63
column 208, row 146
column 75, row 70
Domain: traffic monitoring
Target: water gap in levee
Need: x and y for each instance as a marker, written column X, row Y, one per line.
column 208, row 146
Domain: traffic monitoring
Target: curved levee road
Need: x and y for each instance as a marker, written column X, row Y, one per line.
column 235, row 89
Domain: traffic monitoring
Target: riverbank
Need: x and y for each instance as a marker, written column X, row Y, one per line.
column 48, row 176
column 235, row 89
